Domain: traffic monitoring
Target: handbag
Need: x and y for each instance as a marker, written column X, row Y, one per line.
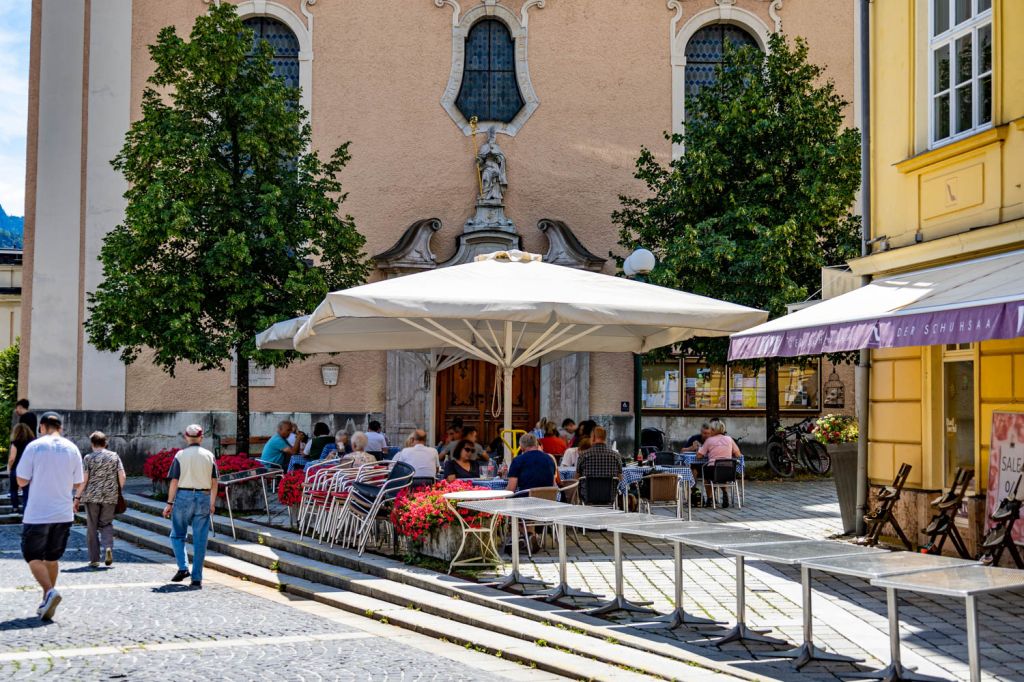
column 121, row 506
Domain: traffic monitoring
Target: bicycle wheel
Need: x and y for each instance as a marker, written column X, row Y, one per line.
column 817, row 457
column 780, row 460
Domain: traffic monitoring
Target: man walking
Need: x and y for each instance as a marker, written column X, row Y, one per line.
column 191, row 497
column 53, row 465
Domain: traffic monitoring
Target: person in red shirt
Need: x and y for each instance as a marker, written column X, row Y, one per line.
column 552, row 443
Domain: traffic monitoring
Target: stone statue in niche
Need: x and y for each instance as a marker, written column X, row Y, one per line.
column 490, row 161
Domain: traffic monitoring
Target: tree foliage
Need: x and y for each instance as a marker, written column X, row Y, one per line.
column 760, row 199
column 233, row 222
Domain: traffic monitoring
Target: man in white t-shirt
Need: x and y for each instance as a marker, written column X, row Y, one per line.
column 376, row 443
column 53, row 465
column 420, row 457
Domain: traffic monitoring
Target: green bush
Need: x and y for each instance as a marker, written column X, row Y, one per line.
column 8, row 395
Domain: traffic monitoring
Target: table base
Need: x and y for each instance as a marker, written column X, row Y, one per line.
column 807, row 652
column 563, row 590
column 742, row 633
column 516, row 578
column 679, row 618
column 621, row 604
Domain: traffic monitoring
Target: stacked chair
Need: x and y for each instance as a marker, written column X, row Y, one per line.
column 1000, row 537
column 367, row 501
column 883, row 513
column 943, row 523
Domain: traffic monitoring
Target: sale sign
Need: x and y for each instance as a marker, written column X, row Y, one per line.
column 1006, row 462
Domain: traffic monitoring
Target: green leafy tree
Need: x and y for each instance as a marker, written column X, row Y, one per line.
column 761, row 197
column 8, row 394
column 233, row 222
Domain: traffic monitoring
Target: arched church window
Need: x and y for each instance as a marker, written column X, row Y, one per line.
column 283, row 42
column 489, row 89
column 706, row 50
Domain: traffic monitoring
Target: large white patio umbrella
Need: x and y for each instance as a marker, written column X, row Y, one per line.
column 511, row 309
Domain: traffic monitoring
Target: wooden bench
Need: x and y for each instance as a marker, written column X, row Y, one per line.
column 256, row 443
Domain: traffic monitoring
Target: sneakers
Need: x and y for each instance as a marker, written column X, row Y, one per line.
column 94, row 564
column 196, row 585
column 180, row 575
column 108, row 556
column 49, row 605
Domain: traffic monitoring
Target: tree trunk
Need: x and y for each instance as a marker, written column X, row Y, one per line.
column 771, row 398
column 242, row 404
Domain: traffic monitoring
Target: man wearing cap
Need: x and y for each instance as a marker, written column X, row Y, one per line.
column 53, row 465
column 190, row 501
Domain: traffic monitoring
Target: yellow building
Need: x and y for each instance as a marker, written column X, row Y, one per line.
column 947, row 160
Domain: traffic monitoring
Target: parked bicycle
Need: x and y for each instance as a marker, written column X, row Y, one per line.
column 794, row 446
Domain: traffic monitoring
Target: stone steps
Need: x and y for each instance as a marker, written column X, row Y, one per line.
column 486, row 617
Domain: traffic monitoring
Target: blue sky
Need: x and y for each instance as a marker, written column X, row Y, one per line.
column 15, row 21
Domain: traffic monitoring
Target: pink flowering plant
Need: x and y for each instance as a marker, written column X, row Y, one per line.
column 836, row 428
column 420, row 511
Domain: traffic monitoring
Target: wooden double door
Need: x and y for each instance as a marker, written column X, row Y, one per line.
column 467, row 391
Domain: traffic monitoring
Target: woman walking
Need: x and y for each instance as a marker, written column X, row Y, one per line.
column 104, row 478
column 21, row 436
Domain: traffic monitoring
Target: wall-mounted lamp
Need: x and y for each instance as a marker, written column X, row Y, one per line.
column 329, row 373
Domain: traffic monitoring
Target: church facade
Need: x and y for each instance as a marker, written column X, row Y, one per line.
column 568, row 91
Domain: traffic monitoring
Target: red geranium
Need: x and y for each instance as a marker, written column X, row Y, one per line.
column 289, row 490
column 418, row 512
column 158, row 465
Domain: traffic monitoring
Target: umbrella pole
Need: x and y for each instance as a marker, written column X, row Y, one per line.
column 506, row 401
column 431, row 407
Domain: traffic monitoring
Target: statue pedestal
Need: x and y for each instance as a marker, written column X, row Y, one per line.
column 489, row 216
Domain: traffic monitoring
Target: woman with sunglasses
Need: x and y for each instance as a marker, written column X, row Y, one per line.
column 463, row 464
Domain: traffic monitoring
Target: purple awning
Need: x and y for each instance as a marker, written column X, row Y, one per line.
column 977, row 300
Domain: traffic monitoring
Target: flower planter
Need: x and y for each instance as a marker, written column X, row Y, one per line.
column 441, row 543
column 293, row 516
column 844, row 473
column 160, row 488
column 246, row 497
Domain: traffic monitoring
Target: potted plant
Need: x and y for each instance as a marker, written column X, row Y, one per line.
column 841, row 433
column 289, row 493
column 427, row 523
column 246, row 496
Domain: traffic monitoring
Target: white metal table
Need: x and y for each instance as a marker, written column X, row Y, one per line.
column 964, row 582
column 484, row 534
column 718, row 541
column 505, row 507
column 880, row 565
column 791, row 554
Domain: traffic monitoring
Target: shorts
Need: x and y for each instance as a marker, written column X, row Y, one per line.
column 44, row 541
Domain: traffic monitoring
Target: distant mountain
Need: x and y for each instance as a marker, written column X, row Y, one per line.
column 11, row 231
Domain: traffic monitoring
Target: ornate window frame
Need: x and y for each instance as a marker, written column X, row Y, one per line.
column 725, row 12
column 303, row 30
column 517, row 26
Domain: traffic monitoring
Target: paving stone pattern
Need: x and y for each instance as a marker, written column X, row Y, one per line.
column 850, row 615
column 132, row 605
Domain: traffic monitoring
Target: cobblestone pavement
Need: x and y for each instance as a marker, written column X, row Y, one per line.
column 129, row 622
column 850, row 616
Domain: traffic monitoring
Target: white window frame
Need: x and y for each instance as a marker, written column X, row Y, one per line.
column 948, row 39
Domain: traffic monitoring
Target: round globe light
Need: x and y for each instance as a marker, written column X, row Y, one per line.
column 627, row 268
column 642, row 261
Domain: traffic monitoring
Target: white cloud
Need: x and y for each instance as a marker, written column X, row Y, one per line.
column 15, row 35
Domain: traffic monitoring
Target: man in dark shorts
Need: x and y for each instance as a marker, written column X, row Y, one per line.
column 53, row 465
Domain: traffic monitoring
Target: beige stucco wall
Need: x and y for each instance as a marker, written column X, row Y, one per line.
column 602, row 72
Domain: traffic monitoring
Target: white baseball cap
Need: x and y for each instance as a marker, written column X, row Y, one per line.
column 193, row 430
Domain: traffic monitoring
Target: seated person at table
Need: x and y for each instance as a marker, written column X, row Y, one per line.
column 359, row 456
column 551, row 442
column 320, row 440
column 451, row 435
column 420, row 457
column 718, row 446
column 277, row 450
column 377, row 444
column 532, row 467
column 583, row 430
column 600, row 461
column 567, row 431
column 461, row 463
column 694, row 442
column 468, row 433
column 572, row 456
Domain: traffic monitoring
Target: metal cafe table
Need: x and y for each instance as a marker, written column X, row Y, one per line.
column 664, row 528
column 718, row 541
column 617, row 523
column 506, row 507
column 485, row 534
column 881, row 565
column 791, row 554
column 262, row 474
column 964, row 582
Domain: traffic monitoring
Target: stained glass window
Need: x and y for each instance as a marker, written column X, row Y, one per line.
column 489, row 88
column 706, row 50
column 283, row 42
